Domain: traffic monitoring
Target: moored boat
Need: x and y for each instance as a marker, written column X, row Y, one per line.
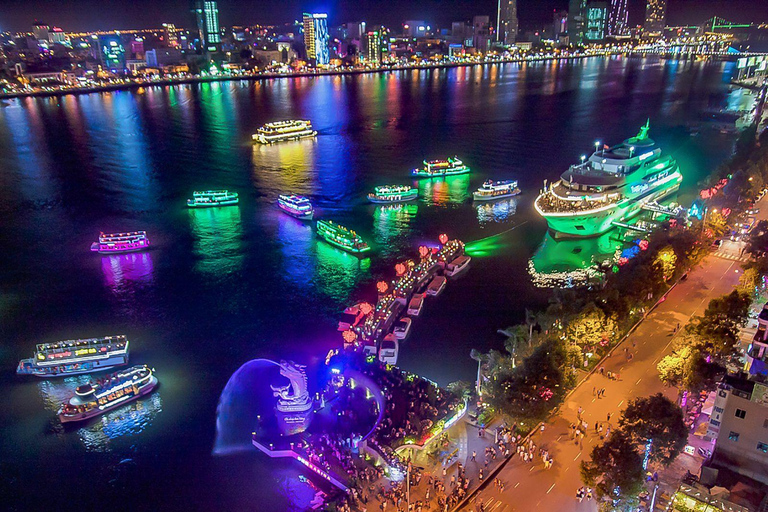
column 415, row 304
column 115, row 243
column 281, row 131
column 496, row 190
column 402, row 328
column 73, row 357
column 436, row 286
column 393, row 194
column 110, row 392
column 438, row 168
column 458, row 265
column 341, row 237
column 210, row 198
column 389, row 349
column 296, row 206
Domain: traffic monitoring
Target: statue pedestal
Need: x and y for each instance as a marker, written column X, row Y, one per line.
column 291, row 423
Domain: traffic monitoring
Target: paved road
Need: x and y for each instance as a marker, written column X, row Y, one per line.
column 532, row 487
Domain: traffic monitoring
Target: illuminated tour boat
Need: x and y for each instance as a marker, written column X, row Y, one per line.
column 439, row 168
column 341, row 237
column 609, row 188
column 115, row 243
column 496, row 190
column 281, row 131
column 393, row 194
column 211, row 198
column 296, row 206
column 103, row 395
column 73, row 357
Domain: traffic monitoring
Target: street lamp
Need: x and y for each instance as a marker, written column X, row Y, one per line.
column 631, row 151
column 583, row 157
column 597, row 145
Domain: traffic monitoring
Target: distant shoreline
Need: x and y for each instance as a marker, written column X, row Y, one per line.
column 271, row 76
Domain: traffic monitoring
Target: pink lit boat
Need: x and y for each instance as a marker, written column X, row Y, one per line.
column 114, row 243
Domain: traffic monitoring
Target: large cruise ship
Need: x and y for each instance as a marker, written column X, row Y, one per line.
column 284, row 130
column 73, row 357
column 610, row 186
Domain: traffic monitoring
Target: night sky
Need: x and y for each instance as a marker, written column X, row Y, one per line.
column 83, row 15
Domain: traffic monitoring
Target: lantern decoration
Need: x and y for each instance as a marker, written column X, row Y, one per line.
column 349, row 336
column 643, row 244
column 423, row 251
column 366, row 308
column 382, row 286
column 726, row 212
column 410, row 264
column 400, row 269
column 623, row 261
column 443, row 238
column 546, row 394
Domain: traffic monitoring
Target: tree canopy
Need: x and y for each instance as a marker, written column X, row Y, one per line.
column 718, row 329
column 615, row 469
column 657, row 420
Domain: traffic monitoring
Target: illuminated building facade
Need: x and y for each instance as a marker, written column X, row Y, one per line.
column 577, row 15
column 596, row 21
column 40, row 31
column 207, row 20
column 316, row 38
column 618, row 19
column 372, row 47
column 112, row 53
column 506, row 28
column 171, row 39
column 655, row 17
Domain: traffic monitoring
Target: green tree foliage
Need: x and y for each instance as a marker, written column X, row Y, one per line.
column 657, row 420
column 718, row 329
column 591, row 329
column 615, row 469
column 665, row 262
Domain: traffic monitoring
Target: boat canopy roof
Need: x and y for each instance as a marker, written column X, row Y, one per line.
column 60, row 346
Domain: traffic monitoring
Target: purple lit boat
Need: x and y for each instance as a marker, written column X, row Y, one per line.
column 115, row 243
column 296, row 206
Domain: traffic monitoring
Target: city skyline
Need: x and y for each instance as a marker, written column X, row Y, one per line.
column 86, row 15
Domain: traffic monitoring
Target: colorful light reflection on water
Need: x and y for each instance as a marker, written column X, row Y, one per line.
column 499, row 211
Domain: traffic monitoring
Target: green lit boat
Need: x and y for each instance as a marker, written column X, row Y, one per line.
column 393, row 194
column 609, row 187
column 439, row 168
column 209, row 198
column 341, row 237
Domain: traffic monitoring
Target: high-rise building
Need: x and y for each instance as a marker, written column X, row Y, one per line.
column 112, row 53
column 57, row 35
column 208, row 29
column 559, row 24
column 577, row 21
column 372, row 47
column 596, row 21
column 316, row 38
column 137, row 48
column 481, row 33
column 356, row 30
column 171, row 38
column 40, row 31
column 415, row 28
column 655, row 17
column 618, row 18
column 506, row 25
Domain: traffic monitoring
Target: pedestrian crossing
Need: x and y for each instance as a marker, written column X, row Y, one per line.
column 729, row 255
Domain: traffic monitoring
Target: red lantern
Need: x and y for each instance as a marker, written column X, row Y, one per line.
column 349, row 336
column 423, row 251
column 366, row 308
column 443, row 238
column 400, row 269
column 382, row 286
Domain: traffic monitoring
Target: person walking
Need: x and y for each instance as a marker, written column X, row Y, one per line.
column 474, row 455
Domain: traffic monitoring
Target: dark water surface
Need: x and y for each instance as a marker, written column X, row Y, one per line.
column 223, row 286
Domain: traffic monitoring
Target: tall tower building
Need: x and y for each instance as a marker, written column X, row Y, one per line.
column 40, row 31
column 597, row 21
column 506, row 25
column 618, row 19
column 577, row 21
column 316, row 38
column 372, row 47
column 655, row 16
column 207, row 20
column 171, row 38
